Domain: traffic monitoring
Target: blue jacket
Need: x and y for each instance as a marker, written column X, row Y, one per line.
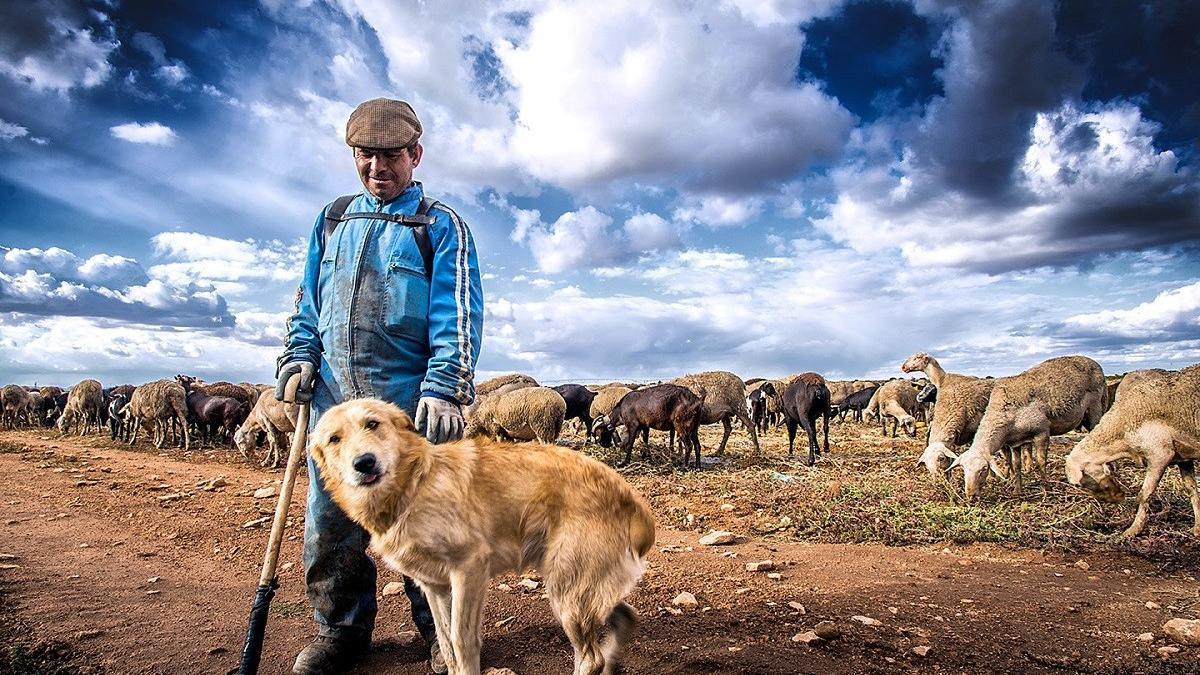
column 367, row 315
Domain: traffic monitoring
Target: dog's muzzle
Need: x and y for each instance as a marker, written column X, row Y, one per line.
column 367, row 468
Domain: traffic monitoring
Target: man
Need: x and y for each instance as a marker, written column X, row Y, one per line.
column 390, row 306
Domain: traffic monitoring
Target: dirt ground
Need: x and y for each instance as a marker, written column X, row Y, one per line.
column 119, row 560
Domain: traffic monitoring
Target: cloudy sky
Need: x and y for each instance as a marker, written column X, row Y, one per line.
column 655, row 187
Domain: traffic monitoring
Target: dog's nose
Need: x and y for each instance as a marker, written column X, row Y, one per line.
column 365, row 463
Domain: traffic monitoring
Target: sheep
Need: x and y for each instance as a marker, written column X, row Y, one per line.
column 724, row 399
column 272, row 418
column 523, row 414
column 84, row 401
column 1054, row 397
column 213, row 414
column 241, row 394
column 1154, row 422
column 898, row 400
column 158, row 402
column 579, row 404
column 607, row 399
column 496, row 385
column 804, row 401
column 665, row 407
column 16, row 405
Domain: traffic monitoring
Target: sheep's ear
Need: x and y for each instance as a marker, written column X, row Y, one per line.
column 995, row 466
column 957, row 462
column 946, row 451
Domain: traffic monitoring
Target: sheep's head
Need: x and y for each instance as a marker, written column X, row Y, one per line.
column 910, row 425
column 975, row 471
column 937, row 458
column 1094, row 476
column 604, row 431
column 926, row 392
column 915, row 363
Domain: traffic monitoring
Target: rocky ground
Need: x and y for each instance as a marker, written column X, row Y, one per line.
column 127, row 560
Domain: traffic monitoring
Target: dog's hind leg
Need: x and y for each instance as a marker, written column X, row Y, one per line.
column 468, row 592
column 583, row 631
column 621, row 623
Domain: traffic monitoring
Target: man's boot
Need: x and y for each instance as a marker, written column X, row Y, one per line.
column 328, row 655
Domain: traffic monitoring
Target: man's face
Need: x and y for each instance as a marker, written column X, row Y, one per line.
column 386, row 173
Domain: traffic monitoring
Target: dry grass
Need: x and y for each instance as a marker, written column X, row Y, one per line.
column 868, row 489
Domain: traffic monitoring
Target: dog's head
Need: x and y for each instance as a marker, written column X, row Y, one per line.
column 363, row 447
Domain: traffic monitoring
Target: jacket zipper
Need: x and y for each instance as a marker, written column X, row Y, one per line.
column 354, row 302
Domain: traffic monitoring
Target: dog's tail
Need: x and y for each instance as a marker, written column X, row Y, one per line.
column 620, row 622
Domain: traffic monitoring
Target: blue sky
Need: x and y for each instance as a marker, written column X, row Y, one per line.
column 655, row 188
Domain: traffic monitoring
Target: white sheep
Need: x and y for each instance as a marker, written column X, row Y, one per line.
column 1052, row 398
column 1155, row 422
column 898, row 400
column 724, row 397
column 961, row 402
column 523, row 414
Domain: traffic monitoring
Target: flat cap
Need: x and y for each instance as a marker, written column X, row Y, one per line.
column 382, row 123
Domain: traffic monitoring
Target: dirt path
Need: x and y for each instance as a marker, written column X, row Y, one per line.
column 121, row 555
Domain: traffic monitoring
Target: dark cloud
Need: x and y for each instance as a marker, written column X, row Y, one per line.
column 1001, row 69
column 56, row 44
column 155, row 303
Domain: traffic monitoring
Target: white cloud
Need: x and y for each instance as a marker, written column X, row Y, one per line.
column 718, row 211
column 1175, row 310
column 101, row 269
column 152, row 133
column 72, row 56
column 9, row 131
column 650, row 232
column 586, row 238
column 232, row 267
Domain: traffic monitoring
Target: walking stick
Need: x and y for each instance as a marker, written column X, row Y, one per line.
column 267, row 581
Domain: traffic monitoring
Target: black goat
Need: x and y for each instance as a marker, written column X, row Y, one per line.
column 665, row 407
column 857, row 403
column 757, row 400
column 117, row 425
column 804, row 401
column 213, row 415
column 579, row 403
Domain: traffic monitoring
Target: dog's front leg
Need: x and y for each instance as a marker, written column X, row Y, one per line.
column 439, row 605
column 468, row 587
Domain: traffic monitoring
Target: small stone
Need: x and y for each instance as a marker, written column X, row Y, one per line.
column 153, row 580
column 9, row 566
column 717, row 538
column 499, row 671
column 392, row 588
column 408, row 638
column 760, row 566
column 798, row 607
column 265, row 493
column 1082, row 564
column 504, row 587
column 894, row 610
column 505, row 621
column 827, row 630
column 287, row 566
column 256, row 522
column 866, row 620
column 739, row 591
column 921, row 650
column 1167, row 651
column 89, row 634
column 809, row 638
column 727, row 507
column 1183, row 631
column 685, row 599
column 774, row 576
column 529, row 584
column 1146, row 638
column 7, row 556
column 153, row 592
column 1150, row 604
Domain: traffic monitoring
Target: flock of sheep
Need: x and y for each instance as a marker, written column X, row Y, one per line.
column 979, row 425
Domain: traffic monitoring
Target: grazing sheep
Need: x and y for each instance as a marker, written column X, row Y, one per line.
column 247, row 397
column 36, row 404
column 213, row 415
column 607, row 399
column 579, row 404
column 496, row 385
column 961, row 402
column 523, row 414
column 16, row 403
column 271, row 418
column 1051, row 398
column 805, row 400
column 665, row 407
column 898, row 400
column 724, row 399
column 84, row 401
column 1155, row 422
column 155, row 405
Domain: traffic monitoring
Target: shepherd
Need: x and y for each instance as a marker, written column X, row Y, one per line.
column 390, row 307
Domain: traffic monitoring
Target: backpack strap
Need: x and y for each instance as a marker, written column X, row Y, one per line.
column 335, row 214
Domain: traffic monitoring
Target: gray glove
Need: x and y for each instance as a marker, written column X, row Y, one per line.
column 440, row 420
column 304, row 392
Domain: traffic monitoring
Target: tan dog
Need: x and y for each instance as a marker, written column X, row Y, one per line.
column 453, row 515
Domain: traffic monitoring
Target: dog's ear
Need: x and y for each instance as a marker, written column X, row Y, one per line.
column 401, row 420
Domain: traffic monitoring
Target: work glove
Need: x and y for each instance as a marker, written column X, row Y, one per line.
column 304, row 392
column 439, row 420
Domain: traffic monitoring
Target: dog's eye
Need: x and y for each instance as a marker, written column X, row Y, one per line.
column 335, row 438
column 371, row 424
